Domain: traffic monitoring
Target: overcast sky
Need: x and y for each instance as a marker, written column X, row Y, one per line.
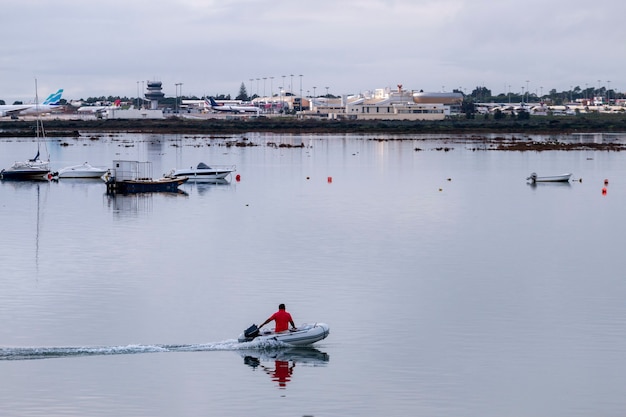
column 102, row 48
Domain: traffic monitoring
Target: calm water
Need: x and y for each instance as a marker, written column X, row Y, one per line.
column 451, row 286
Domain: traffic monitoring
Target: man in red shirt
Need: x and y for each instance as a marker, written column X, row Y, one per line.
column 282, row 319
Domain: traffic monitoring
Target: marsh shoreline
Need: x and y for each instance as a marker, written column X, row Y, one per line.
column 588, row 123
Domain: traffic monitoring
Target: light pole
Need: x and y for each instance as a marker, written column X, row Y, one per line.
column 291, row 85
column 264, row 79
column 251, row 80
column 271, row 86
column 527, row 92
column 300, row 91
column 608, row 96
column 257, row 86
column 326, row 92
column 178, row 85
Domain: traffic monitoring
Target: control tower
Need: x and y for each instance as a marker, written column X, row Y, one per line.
column 154, row 94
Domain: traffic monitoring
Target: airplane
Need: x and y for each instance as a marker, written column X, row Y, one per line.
column 50, row 104
column 213, row 105
column 99, row 109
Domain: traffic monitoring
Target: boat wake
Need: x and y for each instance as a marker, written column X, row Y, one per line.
column 27, row 353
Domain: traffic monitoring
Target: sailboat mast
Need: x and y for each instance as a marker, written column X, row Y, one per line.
column 37, row 112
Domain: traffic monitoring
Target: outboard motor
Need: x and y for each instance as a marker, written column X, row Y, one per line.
column 251, row 332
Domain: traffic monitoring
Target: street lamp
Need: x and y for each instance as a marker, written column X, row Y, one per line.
column 527, row 92
column 326, row 92
column 300, row 91
column 291, row 84
column 257, row 86
column 251, row 81
column 264, row 78
column 178, row 85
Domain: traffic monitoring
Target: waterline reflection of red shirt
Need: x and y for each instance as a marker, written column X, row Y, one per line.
column 282, row 319
column 282, row 373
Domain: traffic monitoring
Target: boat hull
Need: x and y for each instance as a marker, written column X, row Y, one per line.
column 202, row 176
column 25, row 174
column 307, row 334
column 553, row 178
column 145, row 186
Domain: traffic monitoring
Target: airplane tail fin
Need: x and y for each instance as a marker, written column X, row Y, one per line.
column 54, row 98
column 117, row 103
column 213, row 102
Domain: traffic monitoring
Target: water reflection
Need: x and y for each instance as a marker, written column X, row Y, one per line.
column 205, row 186
column 549, row 184
column 282, row 362
column 136, row 203
column 37, row 188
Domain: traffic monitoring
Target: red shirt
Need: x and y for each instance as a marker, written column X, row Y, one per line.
column 282, row 319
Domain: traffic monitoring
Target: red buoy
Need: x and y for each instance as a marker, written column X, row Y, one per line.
column 237, row 177
column 603, row 190
column 330, row 179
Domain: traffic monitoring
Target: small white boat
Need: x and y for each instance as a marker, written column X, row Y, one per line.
column 553, row 178
column 81, row 171
column 306, row 334
column 203, row 172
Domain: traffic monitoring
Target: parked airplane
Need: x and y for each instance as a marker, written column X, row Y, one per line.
column 99, row 109
column 213, row 105
column 50, row 104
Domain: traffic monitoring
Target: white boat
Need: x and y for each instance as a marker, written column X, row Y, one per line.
column 81, row 171
column 203, row 172
column 553, row 178
column 31, row 169
column 306, row 334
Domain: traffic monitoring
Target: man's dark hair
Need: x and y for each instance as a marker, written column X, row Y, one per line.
column 281, row 306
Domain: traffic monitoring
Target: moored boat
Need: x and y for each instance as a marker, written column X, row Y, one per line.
column 81, row 171
column 306, row 334
column 203, row 172
column 136, row 177
column 31, row 170
column 552, row 178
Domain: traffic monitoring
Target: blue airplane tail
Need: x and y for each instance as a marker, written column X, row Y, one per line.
column 53, row 98
column 213, row 102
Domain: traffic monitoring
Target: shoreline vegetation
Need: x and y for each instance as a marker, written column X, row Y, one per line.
column 480, row 128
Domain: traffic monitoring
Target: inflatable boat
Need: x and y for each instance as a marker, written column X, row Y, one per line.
column 306, row 334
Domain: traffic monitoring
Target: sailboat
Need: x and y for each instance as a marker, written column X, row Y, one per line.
column 31, row 169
